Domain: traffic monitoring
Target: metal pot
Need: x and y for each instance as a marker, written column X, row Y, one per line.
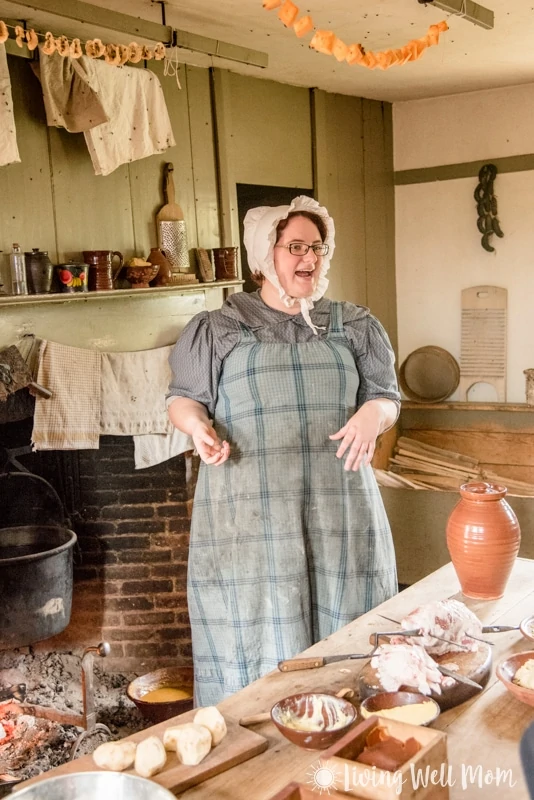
column 95, row 786
column 36, row 576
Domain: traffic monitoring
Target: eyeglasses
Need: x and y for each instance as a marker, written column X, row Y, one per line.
column 301, row 249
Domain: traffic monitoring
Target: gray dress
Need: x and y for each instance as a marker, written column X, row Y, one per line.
column 286, row 546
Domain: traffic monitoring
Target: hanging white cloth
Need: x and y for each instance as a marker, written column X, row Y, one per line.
column 70, row 92
column 9, row 152
column 139, row 124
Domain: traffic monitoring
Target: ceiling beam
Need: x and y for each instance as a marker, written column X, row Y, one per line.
column 469, row 10
column 144, row 29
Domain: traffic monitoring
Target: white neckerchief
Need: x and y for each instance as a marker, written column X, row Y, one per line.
column 260, row 238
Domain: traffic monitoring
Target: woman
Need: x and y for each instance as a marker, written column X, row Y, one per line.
column 289, row 538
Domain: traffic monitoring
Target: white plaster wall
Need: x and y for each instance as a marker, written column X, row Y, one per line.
column 438, row 250
column 464, row 127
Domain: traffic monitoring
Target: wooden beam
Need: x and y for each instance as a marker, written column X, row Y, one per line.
column 471, row 11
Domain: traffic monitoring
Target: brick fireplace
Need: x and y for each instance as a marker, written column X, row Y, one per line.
column 133, row 535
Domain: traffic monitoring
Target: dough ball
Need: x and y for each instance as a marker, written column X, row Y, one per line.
column 150, row 757
column 115, row 755
column 213, row 720
column 193, row 742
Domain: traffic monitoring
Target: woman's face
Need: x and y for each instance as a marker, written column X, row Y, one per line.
column 298, row 275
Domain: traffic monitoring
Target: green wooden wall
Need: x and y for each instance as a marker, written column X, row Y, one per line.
column 229, row 129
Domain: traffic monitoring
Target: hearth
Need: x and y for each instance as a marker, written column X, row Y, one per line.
column 54, row 696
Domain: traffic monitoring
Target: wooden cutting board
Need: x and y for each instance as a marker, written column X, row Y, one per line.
column 476, row 666
column 238, row 745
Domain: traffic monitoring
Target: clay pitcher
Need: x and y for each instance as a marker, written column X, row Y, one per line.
column 483, row 538
column 101, row 272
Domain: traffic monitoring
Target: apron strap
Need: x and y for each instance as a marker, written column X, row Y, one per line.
column 336, row 329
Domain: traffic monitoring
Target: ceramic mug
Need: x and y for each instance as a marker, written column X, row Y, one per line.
column 72, row 277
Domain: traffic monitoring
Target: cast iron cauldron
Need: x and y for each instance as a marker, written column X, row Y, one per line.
column 36, row 577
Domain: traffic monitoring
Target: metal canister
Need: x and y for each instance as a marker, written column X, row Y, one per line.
column 39, row 271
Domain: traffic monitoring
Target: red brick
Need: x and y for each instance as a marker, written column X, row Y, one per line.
column 126, row 542
column 141, row 526
column 181, row 525
column 150, row 618
column 172, row 510
column 174, row 600
column 165, row 571
column 163, row 540
column 151, row 650
column 175, row 634
column 146, row 587
column 132, row 634
column 122, row 512
column 145, row 556
column 130, row 604
column 142, row 496
column 123, row 572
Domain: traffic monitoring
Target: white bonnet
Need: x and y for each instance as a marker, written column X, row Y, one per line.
column 260, row 237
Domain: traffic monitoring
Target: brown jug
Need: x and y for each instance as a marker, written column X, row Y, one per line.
column 101, row 274
column 483, row 538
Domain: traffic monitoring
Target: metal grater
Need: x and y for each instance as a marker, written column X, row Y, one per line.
column 173, row 239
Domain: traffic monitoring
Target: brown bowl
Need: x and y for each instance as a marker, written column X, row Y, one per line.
column 382, row 701
column 175, row 677
column 309, row 711
column 507, row 669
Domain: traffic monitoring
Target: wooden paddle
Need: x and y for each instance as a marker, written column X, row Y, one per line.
column 171, row 211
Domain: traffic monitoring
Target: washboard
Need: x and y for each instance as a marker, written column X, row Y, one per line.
column 483, row 349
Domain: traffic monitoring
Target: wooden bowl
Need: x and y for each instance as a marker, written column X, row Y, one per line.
column 374, row 705
column 507, row 669
column 175, row 677
column 313, row 720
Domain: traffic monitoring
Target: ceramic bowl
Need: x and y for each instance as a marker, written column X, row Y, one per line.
column 526, row 626
column 374, row 705
column 313, row 720
column 176, row 677
column 507, row 669
column 140, row 277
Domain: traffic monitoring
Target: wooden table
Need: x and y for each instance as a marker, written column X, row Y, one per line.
column 483, row 734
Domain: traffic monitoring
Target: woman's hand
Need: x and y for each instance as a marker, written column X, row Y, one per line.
column 360, row 433
column 210, row 449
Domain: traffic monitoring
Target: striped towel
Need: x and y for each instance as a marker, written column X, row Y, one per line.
column 70, row 419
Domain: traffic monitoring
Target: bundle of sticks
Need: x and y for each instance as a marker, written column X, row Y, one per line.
column 416, row 465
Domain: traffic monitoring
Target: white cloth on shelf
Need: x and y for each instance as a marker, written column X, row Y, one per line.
column 139, row 124
column 69, row 420
column 9, row 151
column 132, row 391
column 154, row 448
column 71, row 92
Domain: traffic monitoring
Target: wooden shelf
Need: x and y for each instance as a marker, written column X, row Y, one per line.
column 112, row 294
column 410, row 405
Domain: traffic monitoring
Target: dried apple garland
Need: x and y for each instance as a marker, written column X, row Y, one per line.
column 329, row 43
column 114, row 54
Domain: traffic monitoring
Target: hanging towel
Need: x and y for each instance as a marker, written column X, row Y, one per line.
column 139, row 124
column 9, row 152
column 133, row 389
column 70, row 92
column 69, row 420
column 154, row 448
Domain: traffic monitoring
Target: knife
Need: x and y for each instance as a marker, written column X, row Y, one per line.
column 449, row 673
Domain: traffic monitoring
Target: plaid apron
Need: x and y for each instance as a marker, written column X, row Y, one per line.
column 286, row 546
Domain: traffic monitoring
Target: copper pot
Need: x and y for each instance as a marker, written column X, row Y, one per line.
column 483, row 538
column 101, row 272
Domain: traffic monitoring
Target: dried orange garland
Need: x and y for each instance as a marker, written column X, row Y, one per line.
column 331, row 45
column 114, row 54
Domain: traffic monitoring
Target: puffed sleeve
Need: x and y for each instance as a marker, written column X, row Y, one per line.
column 194, row 364
column 374, row 358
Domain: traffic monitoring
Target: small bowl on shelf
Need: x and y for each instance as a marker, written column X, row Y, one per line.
column 140, row 272
column 177, row 678
column 396, row 705
column 313, row 720
column 506, row 671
